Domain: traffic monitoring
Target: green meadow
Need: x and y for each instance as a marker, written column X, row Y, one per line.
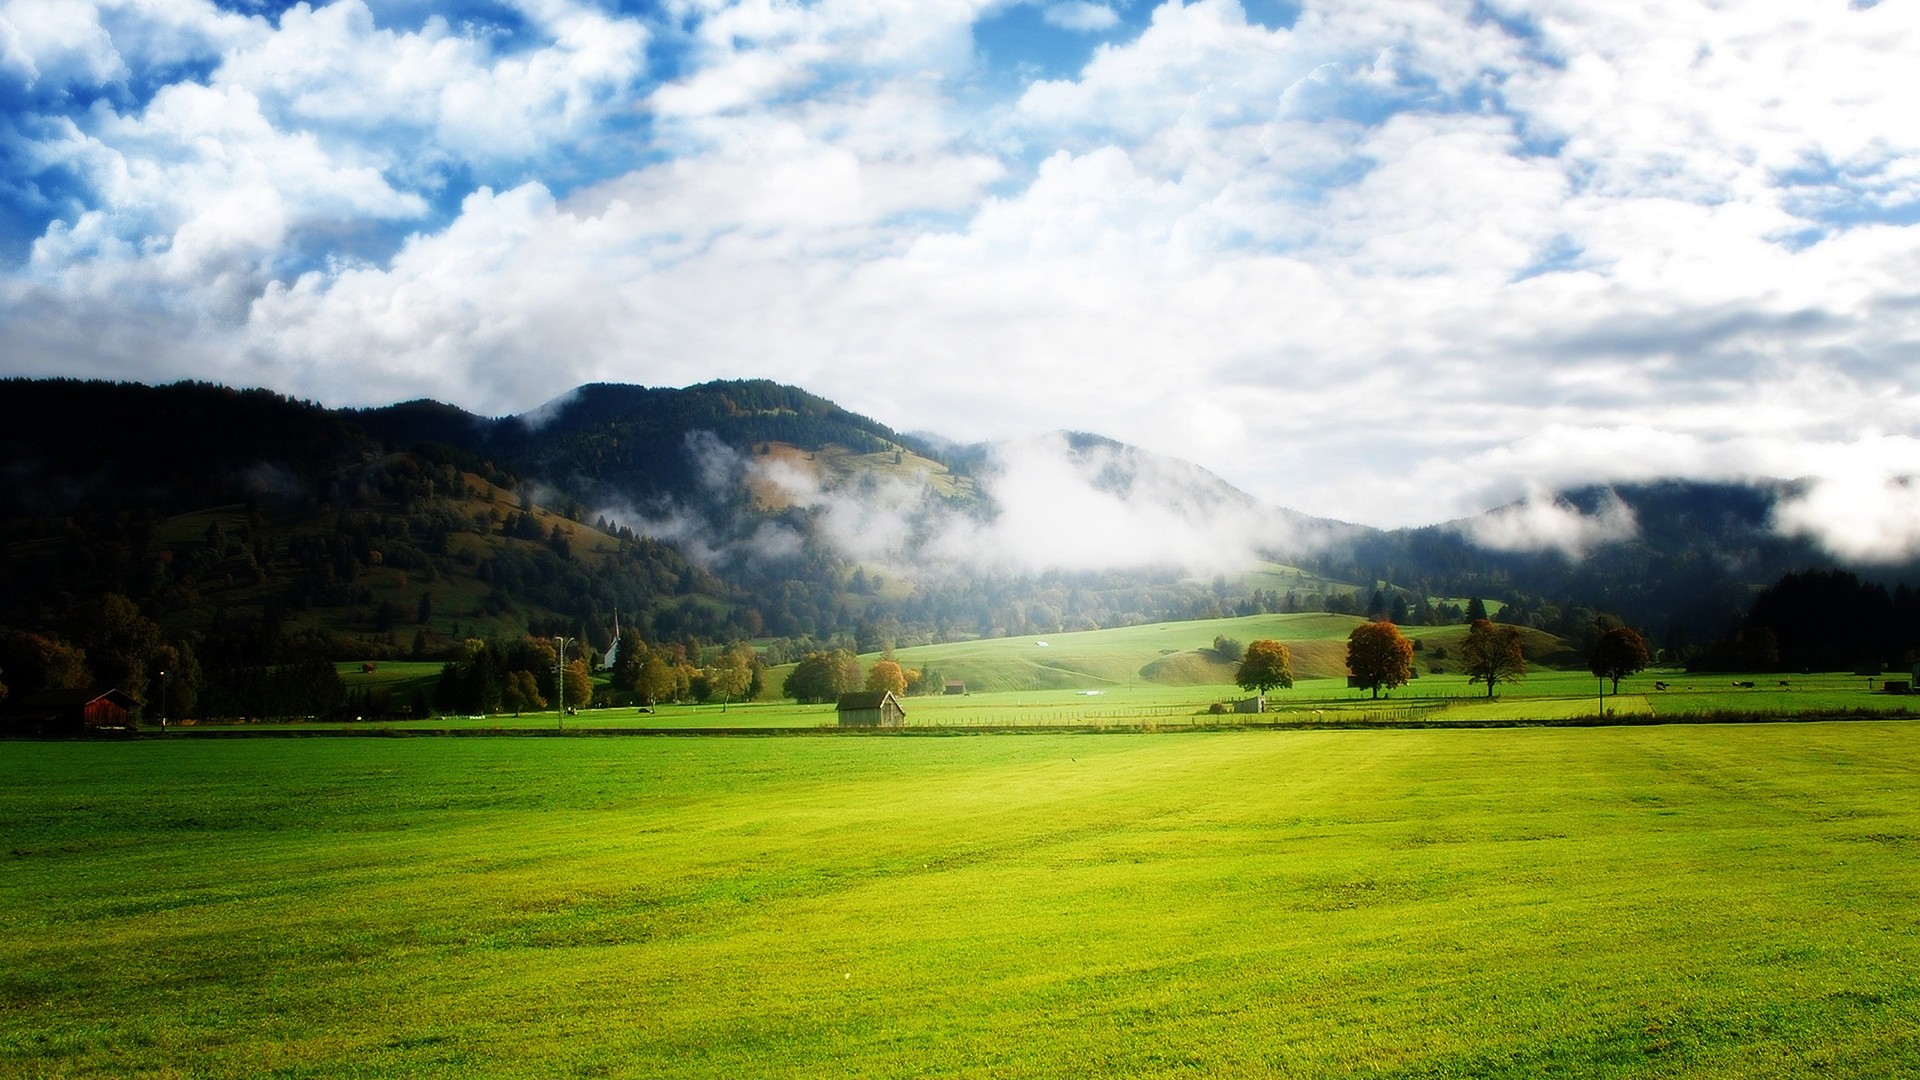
column 1165, row 675
column 1677, row 900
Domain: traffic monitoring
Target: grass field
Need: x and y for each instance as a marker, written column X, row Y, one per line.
column 1545, row 696
column 1691, row 900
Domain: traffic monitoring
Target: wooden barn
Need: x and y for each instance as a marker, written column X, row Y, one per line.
column 955, row 686
column 1250, row 705
column 71, row 712
column 871, row 708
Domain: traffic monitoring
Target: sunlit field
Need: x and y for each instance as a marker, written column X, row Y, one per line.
column 1543, row 696
column 1682, row 900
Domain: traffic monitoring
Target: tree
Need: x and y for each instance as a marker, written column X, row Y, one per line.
column 823, row 676
column 176, row 673
column 1476, row 609
column 522, row 692
column 579, row 684
column 657, row 680
column 1228, row 650
column 1618, row 653
column 1492, row 654
column 1758, row 647
column 629, row 660
column 117, row 640
column 37, row 662
column 1379, row 657
column 887, row 675
column 1266, row 665
column 731, row 674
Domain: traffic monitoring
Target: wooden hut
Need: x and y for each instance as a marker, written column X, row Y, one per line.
column 871, row 708
column 956, row 686
column 1250, row 705
column 72, row 712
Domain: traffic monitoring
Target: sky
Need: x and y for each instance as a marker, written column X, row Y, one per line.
column 1388, row 261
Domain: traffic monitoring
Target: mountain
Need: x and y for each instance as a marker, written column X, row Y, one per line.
column 603, row 443
column 257, row 527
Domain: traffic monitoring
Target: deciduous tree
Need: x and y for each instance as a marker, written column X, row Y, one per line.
column 579, row 684
column 823, row 676
column 1379, row 657
column 1266, row 665
column 1618, row 653
column 731, row 674
column 1492, row 654
column 657, row 681
column 887, row 675
column 522, row 692
column 118, row 641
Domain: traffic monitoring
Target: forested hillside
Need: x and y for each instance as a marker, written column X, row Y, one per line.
column 233, row 531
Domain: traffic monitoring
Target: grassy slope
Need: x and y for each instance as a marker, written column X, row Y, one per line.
column 1170, row 653
column 1610, row 902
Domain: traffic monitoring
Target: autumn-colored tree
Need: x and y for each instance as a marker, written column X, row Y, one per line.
column 657, row 680
column 579, row 685
column 1492, row 654
column 731, row 674
column 36, row 662
column 1266, row 665
column 522, row 692
column 1379, row 657
column 887, row 675
column 1617, row 654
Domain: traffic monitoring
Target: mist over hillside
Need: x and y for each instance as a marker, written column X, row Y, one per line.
column 735, row 510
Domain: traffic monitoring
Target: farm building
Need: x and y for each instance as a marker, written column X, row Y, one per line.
column 871, row 708
column 1250, row 705
column 955, row 686
column 71, row 712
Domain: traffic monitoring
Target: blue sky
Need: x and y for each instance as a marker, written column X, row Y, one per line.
column 1393, row 261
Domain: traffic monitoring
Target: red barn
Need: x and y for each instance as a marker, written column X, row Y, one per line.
column 72, row 712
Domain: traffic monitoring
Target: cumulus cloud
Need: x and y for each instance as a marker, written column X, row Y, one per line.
column 1393, row 262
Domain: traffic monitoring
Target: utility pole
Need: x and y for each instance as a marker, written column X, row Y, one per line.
column 560, row 646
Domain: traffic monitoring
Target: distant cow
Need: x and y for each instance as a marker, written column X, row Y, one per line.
column 1659, row 686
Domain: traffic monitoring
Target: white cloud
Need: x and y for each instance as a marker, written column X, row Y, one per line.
column 1393, row 263
column 1862, row 518
column 1081, row 15
column 49, row 45
column 1049, row 505
column 334, row 69
column 1542, row 522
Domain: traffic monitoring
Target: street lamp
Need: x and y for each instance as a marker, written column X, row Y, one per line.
column 560, row 647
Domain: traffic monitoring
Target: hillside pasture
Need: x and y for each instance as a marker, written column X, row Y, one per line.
column 1609, row 902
